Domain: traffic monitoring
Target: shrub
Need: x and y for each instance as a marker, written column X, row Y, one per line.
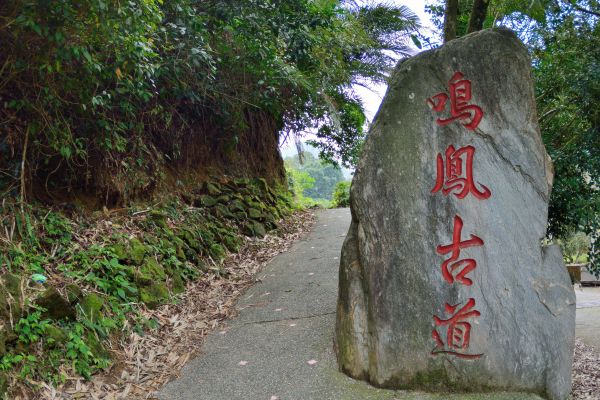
column 341, row 194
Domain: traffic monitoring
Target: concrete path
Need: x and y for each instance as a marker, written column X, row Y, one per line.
column 280, row 345
column 588, row 315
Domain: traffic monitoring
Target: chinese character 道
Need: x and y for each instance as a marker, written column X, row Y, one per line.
column 455, row 176
column 458, row 331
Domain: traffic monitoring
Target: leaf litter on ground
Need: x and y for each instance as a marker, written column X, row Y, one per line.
column 143, row 364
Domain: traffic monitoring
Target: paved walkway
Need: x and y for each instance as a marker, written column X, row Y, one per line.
column 280, row 345
column 588, row 315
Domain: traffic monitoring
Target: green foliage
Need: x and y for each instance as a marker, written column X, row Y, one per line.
column 575, row 247
column 497, row 11
column 108, row 268
column 341, row 194
column 99, row 267
column 90, row 89
column 299, row 182
column 83, row 360
column 566, row 50
column 325, row 175
column 564, row 41
column 31, row 328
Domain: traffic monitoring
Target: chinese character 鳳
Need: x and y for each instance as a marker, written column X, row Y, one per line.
column 460, row 94
column 457, row 175
column 458, row 330
column 454, row 269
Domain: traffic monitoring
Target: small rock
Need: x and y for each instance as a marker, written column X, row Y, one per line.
column 137, row 251
column 213, row 188
column 159, row 218
column 74, row 293
column 207, row 201
column 237, row 205
column 254, row 228
column 154, row 295
column 177, row 284
column 91, row 306
column 57, row 306
column 57, row 335
column 254, row 213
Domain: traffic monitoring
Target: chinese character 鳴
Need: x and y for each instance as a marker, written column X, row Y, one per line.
column 460, row 94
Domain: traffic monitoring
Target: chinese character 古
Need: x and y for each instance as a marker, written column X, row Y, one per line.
column 460, row 94
column 458, row 331
column 454, row 269
column 457, row 176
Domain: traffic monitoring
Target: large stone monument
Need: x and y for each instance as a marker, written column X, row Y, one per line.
column 445, row 283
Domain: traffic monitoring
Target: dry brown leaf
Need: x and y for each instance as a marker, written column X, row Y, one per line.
column 144, row 364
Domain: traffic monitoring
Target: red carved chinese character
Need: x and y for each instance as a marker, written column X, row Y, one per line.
column 460, row 94
column 454, row 269
column 458, row 332
column 451, row 179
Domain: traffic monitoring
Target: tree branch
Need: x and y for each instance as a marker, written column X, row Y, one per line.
column 478, row 15
column 450, row 20
column 583, row 10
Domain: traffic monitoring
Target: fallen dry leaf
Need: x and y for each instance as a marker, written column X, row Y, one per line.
column 143, row 364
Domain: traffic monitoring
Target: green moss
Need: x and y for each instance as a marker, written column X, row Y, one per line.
column 207, row 235
column 223, row 199
column 254, row 228
column 150, row 271
column 207, row 201
column 57, row 306
column 96, row 346
column 179, row 253
column 213, row 188
column 177, row 285
column 91, row 306
column 241, row 216
column 261, row 184
column 254, row 213
column 232, row 243
column 159, row 218
column 120, row 251
column 55, row 335
column 217, row 252
column 236, row 206
column 222, row 211
column 13, row 285
column 190, row 238
column 74, row 293
column 137, row 251
column 253, row 202
column 154, row 295
column 241, row 182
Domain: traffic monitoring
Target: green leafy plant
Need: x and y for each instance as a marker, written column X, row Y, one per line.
column 31, row 328
column 341, row 194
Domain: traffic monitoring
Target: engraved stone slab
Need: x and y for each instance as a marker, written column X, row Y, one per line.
column 444, row 282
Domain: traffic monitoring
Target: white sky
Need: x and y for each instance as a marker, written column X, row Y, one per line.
column 372, row 98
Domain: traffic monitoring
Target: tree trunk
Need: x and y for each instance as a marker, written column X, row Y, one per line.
column 450, row 17
column 478, row 14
